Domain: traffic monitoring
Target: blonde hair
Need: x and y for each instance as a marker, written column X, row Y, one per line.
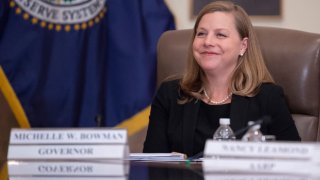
column 250, row 71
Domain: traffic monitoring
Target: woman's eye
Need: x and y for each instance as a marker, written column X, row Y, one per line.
column 220, row 35
column 200, row 34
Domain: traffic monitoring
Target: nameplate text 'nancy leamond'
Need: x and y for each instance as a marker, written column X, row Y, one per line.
column 277, row 149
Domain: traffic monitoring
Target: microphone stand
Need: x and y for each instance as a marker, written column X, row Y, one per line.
column 98, row 120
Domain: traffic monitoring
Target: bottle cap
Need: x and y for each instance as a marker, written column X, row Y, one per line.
column 224, row 121
column 256, row 127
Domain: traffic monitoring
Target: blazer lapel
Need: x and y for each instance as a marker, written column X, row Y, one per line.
column 238, row 113
column 190, row 116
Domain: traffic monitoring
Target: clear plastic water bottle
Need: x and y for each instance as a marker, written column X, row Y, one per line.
column 253, row 134
column 224, row 132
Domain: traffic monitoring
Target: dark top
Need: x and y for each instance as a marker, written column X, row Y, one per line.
column 208, row 123
column 172, row 126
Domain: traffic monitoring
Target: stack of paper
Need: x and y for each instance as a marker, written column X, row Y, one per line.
column 157, row 157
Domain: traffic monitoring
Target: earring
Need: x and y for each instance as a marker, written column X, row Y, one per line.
column 241, row 54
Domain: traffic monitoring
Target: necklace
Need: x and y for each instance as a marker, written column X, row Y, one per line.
column 216, row 102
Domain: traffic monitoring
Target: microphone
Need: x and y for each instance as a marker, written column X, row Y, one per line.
column 196, row 156
column 263, row 119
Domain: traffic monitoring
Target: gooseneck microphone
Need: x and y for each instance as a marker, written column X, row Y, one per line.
column 263, row 119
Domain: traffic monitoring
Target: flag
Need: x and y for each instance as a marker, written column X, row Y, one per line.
column 134, row 29
column 75, row 63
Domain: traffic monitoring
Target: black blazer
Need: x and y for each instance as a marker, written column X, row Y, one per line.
column 172, row 125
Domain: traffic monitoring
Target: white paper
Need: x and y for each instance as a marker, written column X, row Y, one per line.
column 66, row 178
column 261, row 166
column 281, row 150
column 68, row 168
column 247, row 176
column 110, row 151
column 68, row 136
column 157, row 157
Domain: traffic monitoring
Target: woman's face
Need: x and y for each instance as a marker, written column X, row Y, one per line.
column 217, row 43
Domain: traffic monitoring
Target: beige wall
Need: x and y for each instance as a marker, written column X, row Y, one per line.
column 296, row 14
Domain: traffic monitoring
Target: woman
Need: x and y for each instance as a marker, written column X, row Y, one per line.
column 226, row 78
